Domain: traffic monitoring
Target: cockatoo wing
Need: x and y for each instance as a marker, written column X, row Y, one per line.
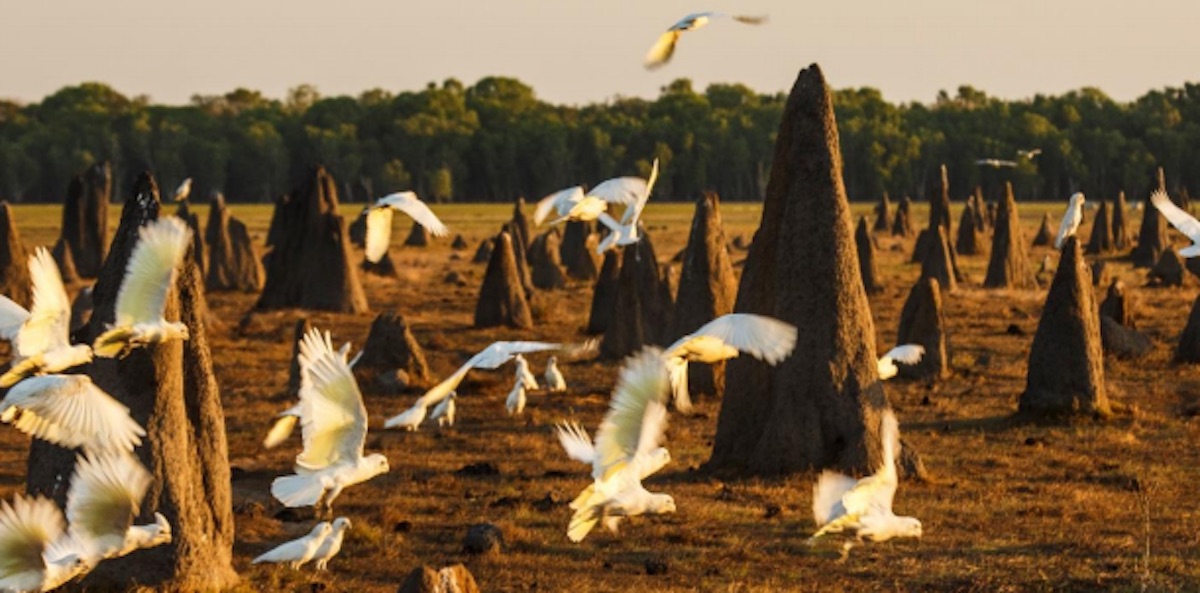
column 906, row 353
column 749, row 19
column 49, row 323
column 636, row 417
column 875, row 492
column 576, row 442
column 152, row 270
column 498, row 353
column 184, row 189
column 1181, row 220
column 763, row 337
column 379, row 233
column 104, row 497
column 610, row 222
column 620, row 190
column 408, row 203
column 633, row 213
column 333, row 418
column 280, row 431
column 560, row 202
column 12, row 317
column 664, row 47
column 71, row 411
column 27, row 527
column 827, row 496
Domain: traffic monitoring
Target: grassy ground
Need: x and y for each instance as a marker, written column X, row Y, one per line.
column 1009, row 507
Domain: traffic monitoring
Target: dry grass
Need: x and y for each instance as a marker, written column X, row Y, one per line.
column 1010, row 507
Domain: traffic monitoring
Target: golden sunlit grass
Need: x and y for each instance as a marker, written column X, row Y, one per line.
column 1010, row 507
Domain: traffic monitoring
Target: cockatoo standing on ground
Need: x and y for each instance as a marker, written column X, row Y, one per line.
column 332, row 543
column 554, row 377
column 444, row 411
column 515, row 403
column 300, row 550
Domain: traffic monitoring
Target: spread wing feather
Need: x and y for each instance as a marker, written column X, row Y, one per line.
column 151, row 271
column 408, row 203
column 333, row 418
column 71, row 411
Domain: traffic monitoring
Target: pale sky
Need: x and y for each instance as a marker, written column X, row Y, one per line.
column 577, row 52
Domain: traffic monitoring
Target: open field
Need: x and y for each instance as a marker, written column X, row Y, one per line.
column 1010, row 507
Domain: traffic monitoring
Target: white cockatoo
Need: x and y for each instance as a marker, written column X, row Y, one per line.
column 444, row 411
column 153, row 267
column 996, row 163
column 41, row 336
column 183, row 191
column 333, row 421
column 524, row 376
column 626, row 443
column 285, row 421
column 724, row 338
column 554, row 377
column 300, row 550
column 515, row 402
column 104, row 498
column 1028, row 154
column 625, row 232
column 1070, row 220
column 904, row 354
column 1181, row 220
column 332, row 543
column 578, row 445
column 664, row 48
column 379, row 221
column 491, row 357
column 70, row 411
column 841, row 503
column 575, row 204
column 36, row 554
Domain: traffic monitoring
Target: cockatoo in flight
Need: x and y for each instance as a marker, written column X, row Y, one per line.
column 285, row 421
column 1028, row 154
column 104, row 498
column 664, row 48
column 995, row 163
column 379, row 221
column 41, row 336
column 864, row 506
column 183, row 191
column 333, row 421
column 627, row 445
column 625, row 232
column 1070, row 220
column 70, row 411
column 575, row 204
column 36, row 554
column 907, row 354
column 721, row 339
column 1181, row 220
column 297, row 552
column 153, row 267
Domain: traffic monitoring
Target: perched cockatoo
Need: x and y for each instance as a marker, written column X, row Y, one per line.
column 491, row 357
column 841, row 503
column 300, row 550
column 554, row 377
column 444, row 411
column 285, row 421
column 36, row 554
column 102, row 503
column 578, row 445
column 664, row 48
column 626, row 443
column 332, row 544
column 907, row 354
column 379, row 221
column 524, row 375
column 183, row 191
column 1070, row 220
column 41, row 336
column 333, row 422
column 723, row 338
column 1181, row 220
column 625, row 232
column 515, row 403
column 70, row 411
column 152, row 270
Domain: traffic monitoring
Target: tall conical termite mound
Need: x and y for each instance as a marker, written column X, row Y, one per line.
column 521, row 257
column 85, row 218
column 1066, row 359
column 939, row 201
column 391, row 345
column 604, row 292
column 15, row 281
column 1118, row 305
column 1102, row 235
column 641, row 306
column 937, row 262
column 578, row 250
column 1009, row 264
column 184, row 212
column 707, row 288
column 923, row 321
column 883, row 214
column 865, row 243
column 483, row 253
column 1045, row 233
column 547, row 271
column 502, row 299
column 821, row 406
column 1120, row 223
column 902, row 225
column 66, row 262
column 970, row 239
column 232, row 264
column 308, row 264
column 521, row 223
column 170, row 390
column 1152, row 238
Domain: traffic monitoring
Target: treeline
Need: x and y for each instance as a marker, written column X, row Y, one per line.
column 496, row 140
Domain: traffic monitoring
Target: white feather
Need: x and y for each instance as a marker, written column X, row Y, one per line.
column 300, row 550
column 333, row 417
column 70, row 411
column 103, row 500
column 1181, row 220
column 408, row 203
column 1071, row 220
column 379, row 233
column 151, row 272
column 763, row 337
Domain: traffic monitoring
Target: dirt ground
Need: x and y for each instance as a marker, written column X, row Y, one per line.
column 1009, row 507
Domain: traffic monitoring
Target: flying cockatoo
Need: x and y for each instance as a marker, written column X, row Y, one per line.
column 625, row 232
column 151, row 272
column 35, row 552
column 864, row 506
column 723, row 338
column 515, row 403
column 70, row 411
column 1181, row 220
column 1028, row 154
column 996, row 163
column 626, row 443
column 332, row 544
column 664, row 48
column 379, row 221
column 333, row 422
column 907, row 354
column 444, row 411
column 285, row 421
column 1070, row 220
column 575, row 204
column 524, row 375
column 300, row 550
column 578, row 445
column 102, row 503
column 554, row 377
column 41, row 336
column 491, row 357
column 183, row 191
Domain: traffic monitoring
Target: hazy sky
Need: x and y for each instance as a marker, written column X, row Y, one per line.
column 574, row 52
